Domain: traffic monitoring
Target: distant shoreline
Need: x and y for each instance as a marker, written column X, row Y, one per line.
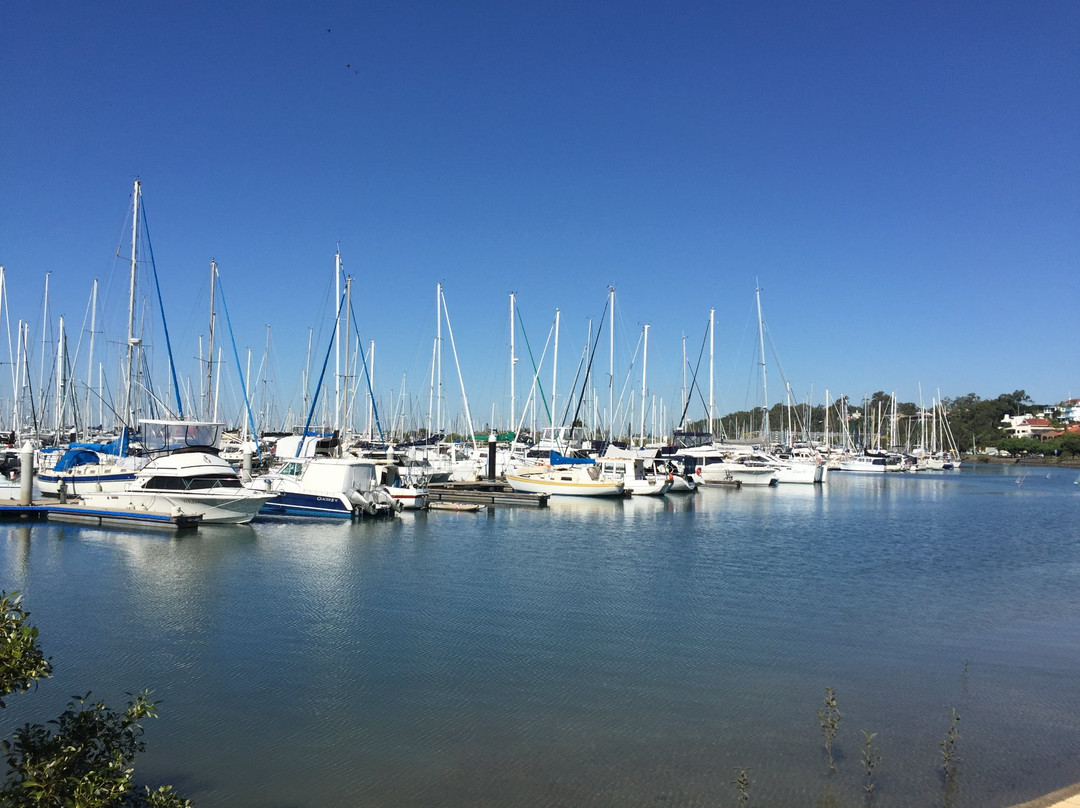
column 1063, row 462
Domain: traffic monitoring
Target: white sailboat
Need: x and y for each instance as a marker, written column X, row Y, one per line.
column 566, row 477
column 89, row 467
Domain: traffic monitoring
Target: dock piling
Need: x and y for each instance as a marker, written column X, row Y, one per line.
column 26, row 469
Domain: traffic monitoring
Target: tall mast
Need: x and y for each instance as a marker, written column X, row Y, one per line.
column 712, row 417
column 764, row 382
column 513, row 365
column 611, row 364
column 644, row 366
column 61, row 381
column 217, row 388
column 209, row 409
column 44, row 332
column 90, row 360
column 17, row 378
column 307, row 372
column 126, row 413
column 345, row 416
column 337, row 338
column 439, row 357
column 683, row 375
column 554, row 374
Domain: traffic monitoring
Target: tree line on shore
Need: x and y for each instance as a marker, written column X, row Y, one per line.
column 975, row 423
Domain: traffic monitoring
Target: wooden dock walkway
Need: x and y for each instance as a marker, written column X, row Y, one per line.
column 483, row 492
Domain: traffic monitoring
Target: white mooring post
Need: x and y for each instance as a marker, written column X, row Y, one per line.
column 26, row 470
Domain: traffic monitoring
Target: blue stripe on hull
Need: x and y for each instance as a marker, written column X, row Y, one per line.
column 307, row 505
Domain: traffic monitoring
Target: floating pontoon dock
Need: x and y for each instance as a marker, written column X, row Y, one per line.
column 75, row 511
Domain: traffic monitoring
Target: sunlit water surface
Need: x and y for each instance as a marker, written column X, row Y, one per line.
column 589, row 654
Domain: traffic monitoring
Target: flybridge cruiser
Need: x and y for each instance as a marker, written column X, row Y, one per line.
column 184, row 476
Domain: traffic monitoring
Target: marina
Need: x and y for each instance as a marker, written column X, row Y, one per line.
column 594, row 652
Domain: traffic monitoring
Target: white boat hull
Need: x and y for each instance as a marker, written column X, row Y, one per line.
column 560, row 482
column 236, row 508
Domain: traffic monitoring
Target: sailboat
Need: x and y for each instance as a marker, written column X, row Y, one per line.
column 316, row 479
column 88, row 467
column 566, row 477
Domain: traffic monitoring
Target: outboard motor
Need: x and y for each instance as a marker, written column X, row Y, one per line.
column 362, row 502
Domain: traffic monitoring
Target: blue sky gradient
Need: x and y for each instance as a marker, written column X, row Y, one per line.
column 901, row 179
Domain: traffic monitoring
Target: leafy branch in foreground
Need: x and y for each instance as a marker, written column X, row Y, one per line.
column 21, row 662
column 85, row 758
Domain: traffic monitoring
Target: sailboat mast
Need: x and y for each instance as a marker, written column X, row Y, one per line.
column 90, row 360
column 712, row 322
column 307, row 372
column 337, row 339
column 438, row 357
column 44, row 332
column 644, row 367
column 210, row 349
column 513, row 365
column 683, row 375
column 611, row 365
column 345, row 417
column 765, row 430
column 555, row 373
column 61, row 382
column 126, row 412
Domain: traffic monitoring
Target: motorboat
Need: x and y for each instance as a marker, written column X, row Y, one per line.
column 712, row 466
column 325, row 486
column 186, row 482
column 636, row 480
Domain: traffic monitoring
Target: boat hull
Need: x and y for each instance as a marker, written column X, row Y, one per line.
column 84, row 480
column 564, row 488
column 215, row 509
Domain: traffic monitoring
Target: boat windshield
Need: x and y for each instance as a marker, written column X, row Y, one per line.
column 168, row 436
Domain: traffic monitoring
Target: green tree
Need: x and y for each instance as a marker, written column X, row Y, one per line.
column 85, row 757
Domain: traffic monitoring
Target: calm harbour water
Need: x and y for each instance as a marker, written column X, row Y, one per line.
column 589, row 654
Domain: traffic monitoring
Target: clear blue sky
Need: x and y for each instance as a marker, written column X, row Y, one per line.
column 901, row 179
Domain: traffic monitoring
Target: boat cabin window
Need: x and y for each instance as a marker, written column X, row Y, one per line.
column 209, row 481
